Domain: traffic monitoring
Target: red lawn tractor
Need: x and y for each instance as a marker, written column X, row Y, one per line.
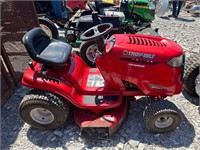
column 128, row 65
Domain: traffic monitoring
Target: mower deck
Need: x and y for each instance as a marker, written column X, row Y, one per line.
column 100, row 126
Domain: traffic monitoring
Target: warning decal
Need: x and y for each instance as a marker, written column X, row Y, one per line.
column 95, row 81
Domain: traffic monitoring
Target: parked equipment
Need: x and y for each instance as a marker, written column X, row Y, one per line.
column 192, row 7
column 161, row 7
column 50, row 12
column 135, row 17
column 133, row 12
column 128, row 65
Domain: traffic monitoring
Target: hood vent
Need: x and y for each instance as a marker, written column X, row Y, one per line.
column 147, row 42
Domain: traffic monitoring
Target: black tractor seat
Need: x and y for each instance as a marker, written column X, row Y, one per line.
column 44, row 50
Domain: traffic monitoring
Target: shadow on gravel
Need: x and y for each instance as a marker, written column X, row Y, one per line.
column 165, row 18
column 185, row 20
column 57, row 138
column 11, row 124
column 191, row 99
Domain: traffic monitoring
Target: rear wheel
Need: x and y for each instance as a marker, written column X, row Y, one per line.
column 161, row 116
column 191, row 74
column 44, row 110
column 49, row 27
column 88, row 51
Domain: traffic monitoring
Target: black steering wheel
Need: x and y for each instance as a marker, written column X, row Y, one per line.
column 91, row 6
column 96, row 32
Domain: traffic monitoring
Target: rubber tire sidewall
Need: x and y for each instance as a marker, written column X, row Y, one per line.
column 158, row 108
column 152, row 127
column 191, row 71
column 83, row 48
column 58, row 117
column 190, row 83
column 56, row 104
column 47, row 22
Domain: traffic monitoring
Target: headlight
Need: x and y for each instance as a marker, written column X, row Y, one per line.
column 176, row 62
column 151, row 6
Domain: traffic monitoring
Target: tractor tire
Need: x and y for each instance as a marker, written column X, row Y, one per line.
column 48, row 26
column 44, row 110
column 87, row 52
column 161, row 116
column 191, row 72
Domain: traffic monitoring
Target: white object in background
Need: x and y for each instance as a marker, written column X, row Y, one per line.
column 195, row 9
column 115, row 13
column 161, row 7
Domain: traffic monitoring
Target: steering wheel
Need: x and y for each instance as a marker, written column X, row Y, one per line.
column 90, row 6
column 96, row 31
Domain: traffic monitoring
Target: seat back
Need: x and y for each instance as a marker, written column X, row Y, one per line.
column 35, row 41
column 42, row 49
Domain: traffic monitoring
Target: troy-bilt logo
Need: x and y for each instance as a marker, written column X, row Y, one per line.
column 137, row 54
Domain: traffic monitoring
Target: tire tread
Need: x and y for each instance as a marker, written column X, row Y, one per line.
column 192, row 64
column 39, row 97
column 156, row 108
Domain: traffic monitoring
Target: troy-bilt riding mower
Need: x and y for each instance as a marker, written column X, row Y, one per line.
column 136, row 20
column 129, row 65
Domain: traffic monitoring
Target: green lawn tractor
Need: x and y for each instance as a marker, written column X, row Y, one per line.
column 133, row 16
column 143, row 10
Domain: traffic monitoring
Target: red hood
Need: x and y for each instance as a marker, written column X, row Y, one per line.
column 145, row 47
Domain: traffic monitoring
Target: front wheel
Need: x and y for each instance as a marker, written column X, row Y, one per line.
column 161, row 116
column 88, row 51
column 44, row 110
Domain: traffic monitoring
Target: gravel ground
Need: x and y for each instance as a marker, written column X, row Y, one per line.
column 15, row 134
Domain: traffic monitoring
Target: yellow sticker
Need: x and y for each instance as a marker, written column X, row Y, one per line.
column 145, row 7
column 108, row 1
